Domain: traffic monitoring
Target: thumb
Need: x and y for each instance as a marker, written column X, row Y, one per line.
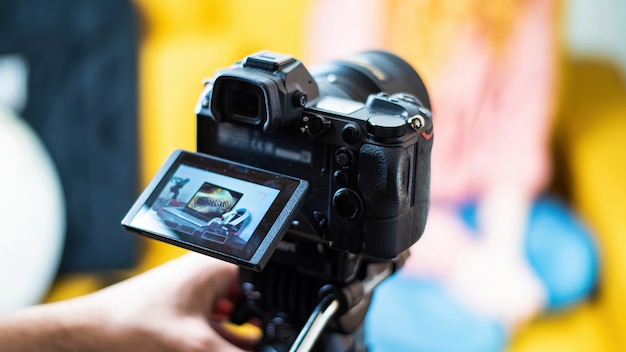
column 207, row 277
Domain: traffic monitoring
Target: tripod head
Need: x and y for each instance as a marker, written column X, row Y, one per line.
column 319, row 306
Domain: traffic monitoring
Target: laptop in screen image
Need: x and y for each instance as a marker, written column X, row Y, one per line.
column 209, row 202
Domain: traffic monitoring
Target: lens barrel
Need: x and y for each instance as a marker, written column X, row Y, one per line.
column 356, row 77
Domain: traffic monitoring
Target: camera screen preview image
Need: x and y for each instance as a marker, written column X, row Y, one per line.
column 208, row 210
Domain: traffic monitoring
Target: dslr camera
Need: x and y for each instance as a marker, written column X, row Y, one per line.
column 315, row 182
column 358, row 130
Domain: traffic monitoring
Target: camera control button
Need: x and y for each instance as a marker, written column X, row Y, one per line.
column 344, row 158
column 347, row 203
column 315, row 125
column 350, row 133
column 299, row 99
column 386, row 126
column 341, row 178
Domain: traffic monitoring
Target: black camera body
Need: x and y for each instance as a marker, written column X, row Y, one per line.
column 359, row 130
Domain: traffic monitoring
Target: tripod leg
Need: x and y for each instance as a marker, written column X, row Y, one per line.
column 316, row 324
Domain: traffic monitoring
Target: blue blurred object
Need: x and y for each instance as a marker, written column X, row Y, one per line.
column 563, row 253
column 560, row 249
column 409, row 313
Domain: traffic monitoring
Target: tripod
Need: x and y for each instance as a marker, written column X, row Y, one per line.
column 312, row 298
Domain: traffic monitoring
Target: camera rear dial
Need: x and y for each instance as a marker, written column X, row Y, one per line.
column 347, row 203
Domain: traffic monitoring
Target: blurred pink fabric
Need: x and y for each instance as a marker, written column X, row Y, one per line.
column 492, row 117
column 492, row 110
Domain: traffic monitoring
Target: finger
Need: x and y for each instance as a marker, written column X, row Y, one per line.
column 220, row 279
column 207, row 273
column 246, row 336
column 223, row 307
column 210, row 284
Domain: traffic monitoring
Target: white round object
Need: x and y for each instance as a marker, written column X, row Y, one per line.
column 32, row 215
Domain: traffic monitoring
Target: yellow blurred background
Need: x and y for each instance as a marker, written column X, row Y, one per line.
column 183, row 42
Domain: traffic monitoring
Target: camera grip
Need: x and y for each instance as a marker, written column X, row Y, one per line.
column 395, row 185
column 386, row 179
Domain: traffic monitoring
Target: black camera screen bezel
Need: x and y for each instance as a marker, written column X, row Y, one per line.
column 268, row 229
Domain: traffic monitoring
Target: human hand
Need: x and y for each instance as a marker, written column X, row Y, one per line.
column 497, row 284
column 492, row 274
column 166, row 309
column 485, row 269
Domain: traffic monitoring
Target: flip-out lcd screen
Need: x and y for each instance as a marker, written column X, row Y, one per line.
column 216, row 207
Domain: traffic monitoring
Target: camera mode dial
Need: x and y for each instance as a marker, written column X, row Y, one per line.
column 386, row 126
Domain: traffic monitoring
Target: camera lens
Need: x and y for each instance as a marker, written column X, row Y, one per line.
column 356, row 77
